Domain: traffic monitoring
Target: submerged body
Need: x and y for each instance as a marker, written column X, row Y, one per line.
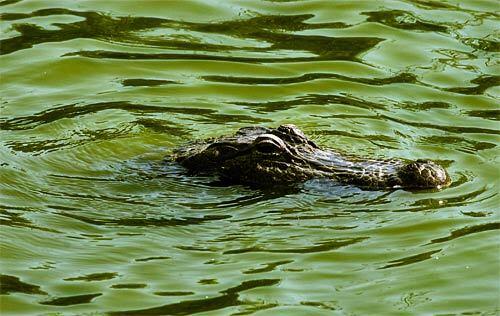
column 261, row 156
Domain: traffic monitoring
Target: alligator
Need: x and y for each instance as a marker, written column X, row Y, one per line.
column 261, row 156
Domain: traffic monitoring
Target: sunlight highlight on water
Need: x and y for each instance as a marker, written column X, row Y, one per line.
column 96, row 94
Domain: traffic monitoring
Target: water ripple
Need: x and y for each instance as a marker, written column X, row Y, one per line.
column 96, row 218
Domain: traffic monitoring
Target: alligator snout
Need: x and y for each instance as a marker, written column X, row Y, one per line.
column 424, row 174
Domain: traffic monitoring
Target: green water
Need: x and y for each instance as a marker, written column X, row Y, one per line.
column 94, row 95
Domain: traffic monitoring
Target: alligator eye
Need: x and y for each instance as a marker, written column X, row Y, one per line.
column 227, row 151
column 267, row 147
column 221, row 151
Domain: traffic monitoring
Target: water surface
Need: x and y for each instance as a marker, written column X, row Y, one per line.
column 95, row 94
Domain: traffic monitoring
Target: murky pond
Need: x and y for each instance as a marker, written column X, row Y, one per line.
column 95, row 95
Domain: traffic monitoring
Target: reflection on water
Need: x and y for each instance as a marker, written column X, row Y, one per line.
column 96, row 95
column 261, row 28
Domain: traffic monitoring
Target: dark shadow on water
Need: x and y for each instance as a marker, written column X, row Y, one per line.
column 152, row 258
column 102, row 54
column 467, row 231
column 314, row 99
column 459, row 143
column 424, row 106
column 482, row 44
column 127, row 200
column 410, row 260
column 12, row 284
column 162, row 126
column 173, row 293
column 95, row 25
column 328, row 245
column 256, row 194
column 80, row 137
column 340, row 195
column 432, row 4
column 146, row 82
column 71, row 300
column 17, row 219
column 129, row 286
column 455, row 201
column 493, row 115
column 94, row 277
column 404, row 20
column 229, row 297
column 268, row 267
column 401, row 78
column 76, row 110
column 7, row 2
column 418, row 124
column 144, row 222
column 482, row 83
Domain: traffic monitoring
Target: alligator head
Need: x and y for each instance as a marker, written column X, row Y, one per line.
column 261, row 156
